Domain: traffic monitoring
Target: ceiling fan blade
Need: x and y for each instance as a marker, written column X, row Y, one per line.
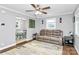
column 43, row 12
column 46, row 8
column 33, row 5
column 37, row 5
column 29, row 10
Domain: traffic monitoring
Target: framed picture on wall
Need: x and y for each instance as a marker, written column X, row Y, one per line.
column 31, row 23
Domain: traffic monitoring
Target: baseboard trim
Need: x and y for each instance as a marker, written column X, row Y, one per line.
column 76, row 50
column 4, row 49
column 14, row 45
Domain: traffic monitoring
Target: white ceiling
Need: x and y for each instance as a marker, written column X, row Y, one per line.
column 55, row 10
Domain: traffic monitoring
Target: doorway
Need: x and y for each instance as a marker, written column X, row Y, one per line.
column 20, row 29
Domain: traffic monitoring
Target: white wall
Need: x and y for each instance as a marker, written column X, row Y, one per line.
column 39, row 24
column 76, row 41
column 31, row 31
column 7, row 32
column 66, row 26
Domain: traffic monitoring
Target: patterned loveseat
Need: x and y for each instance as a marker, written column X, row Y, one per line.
column 51, row 36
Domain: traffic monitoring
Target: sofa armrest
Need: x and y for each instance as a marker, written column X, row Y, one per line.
column 60, row 40
column 37, row 35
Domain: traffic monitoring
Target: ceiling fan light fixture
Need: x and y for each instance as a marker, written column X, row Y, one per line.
column 38, row 13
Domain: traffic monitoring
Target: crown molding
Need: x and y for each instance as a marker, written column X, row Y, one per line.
column 76, row 9
column 61, row 14
column 12, row 10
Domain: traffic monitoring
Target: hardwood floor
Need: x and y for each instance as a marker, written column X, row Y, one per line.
column 69, row 50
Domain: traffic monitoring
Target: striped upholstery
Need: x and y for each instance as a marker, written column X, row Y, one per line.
column 51, row 32
column 50, row 35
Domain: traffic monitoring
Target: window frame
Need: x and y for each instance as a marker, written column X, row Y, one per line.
column 49, row 20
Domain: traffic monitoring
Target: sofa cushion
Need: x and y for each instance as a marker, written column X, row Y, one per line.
column 43, row 37
column 40, row 37
column 57, row 32
column 54, row 38
column 48, row 32
column 47, row 37
column 42, row 32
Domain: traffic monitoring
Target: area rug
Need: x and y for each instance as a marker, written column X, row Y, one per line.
column 36, row 48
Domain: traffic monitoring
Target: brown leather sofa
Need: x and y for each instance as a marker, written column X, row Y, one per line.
column 51, row 36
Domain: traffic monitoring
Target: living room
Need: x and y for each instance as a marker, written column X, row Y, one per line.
column 55, row 17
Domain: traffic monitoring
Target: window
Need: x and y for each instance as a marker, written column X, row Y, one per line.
column 51, row 23
column 77, row 28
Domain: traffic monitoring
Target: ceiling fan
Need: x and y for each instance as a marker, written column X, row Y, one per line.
column 38, row 9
